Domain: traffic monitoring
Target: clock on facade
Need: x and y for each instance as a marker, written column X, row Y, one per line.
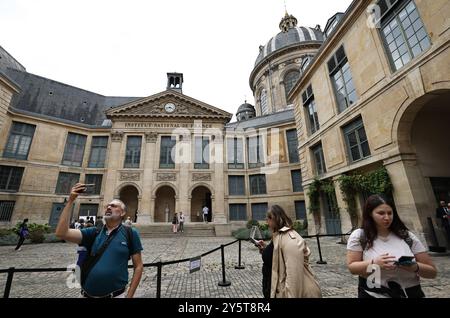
column 169, row 107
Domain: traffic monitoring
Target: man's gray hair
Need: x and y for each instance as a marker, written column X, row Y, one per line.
column 122, row 205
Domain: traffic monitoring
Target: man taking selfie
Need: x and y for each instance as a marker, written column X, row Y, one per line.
column 104, row 273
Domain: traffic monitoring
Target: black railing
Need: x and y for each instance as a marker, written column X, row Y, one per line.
column 159, row 265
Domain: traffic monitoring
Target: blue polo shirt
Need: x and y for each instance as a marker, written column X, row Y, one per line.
column 111, row 271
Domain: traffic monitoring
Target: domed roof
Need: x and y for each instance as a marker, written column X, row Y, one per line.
column 245, row 107
column 290, row 34
column 245, row 112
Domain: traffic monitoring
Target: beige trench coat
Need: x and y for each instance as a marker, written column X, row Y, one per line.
column 292, row 276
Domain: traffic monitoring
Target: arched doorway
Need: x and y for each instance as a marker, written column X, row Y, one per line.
column 423, row 139
column 129, row 195
column 200, row 197
column 164, row 204
column 432, row 123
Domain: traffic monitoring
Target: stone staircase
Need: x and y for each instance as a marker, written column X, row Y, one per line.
column 165, row 230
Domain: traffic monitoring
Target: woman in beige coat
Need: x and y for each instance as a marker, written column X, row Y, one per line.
column 286, row 270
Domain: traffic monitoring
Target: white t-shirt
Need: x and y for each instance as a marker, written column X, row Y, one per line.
column 181, row 218
column 205, row 210
column 393, row 245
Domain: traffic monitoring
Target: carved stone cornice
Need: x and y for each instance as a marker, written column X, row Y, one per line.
column 201, row 177
column 116, row 136
column 130, row 176
column 166, row 177
column 151, row 137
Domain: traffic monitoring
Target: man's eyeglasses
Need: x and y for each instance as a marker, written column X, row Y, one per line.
column 269, row 217
column 113, row 205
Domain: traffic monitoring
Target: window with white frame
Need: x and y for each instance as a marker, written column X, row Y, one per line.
column 310, row 106
column 403, row 32
column 74, row 150
column 98, row 152
column 289, row 81
column 263, row 102
column 19, row 141
column 342, row 80
column 319, row 160
column 201, row 158
column 133, row 152
column 235, row 153
column 356, row 140
column 238, row 212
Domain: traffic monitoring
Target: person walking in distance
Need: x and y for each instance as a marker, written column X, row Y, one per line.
column 23, row 233
column 175, row 223
column 181, row 222
column 443, row 214
column 105, row 274
column 205, row 214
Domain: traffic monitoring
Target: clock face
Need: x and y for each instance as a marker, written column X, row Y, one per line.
column 169, row 107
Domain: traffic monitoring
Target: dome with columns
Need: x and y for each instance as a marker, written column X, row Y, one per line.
column 290, row 34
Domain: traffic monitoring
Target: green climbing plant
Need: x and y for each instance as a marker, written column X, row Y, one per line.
column 314, row 196
column 376, row 181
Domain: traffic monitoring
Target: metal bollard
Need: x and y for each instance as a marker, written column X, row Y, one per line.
column 320, row 251
column 158, row 280
column 224, row 282
column 239, row 266
column 9, row 282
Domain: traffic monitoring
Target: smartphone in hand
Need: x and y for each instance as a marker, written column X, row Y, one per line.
column 405, row 261
column 254, row 241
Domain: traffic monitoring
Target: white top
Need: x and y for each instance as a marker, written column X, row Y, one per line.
column 205, row 210
column 393, row 245
column 181, row 218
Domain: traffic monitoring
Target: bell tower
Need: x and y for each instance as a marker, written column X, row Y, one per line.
column 175, row 82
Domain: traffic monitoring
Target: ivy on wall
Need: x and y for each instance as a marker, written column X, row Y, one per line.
column 376, row 181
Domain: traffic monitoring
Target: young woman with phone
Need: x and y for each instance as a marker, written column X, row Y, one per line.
column 286, row 270
column 388, row 258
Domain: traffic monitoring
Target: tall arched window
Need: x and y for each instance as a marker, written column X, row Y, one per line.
column 263, row 102
column 289, row 80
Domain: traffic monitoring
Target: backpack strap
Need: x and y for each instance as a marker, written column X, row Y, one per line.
column 129, row 232
column 91, row 259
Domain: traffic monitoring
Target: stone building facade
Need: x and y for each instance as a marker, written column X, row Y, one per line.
column 371, row 90
column 160, row 154
column 377, row 95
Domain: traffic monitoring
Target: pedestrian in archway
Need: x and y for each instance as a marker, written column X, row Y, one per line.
column 205, row 214
column 175, row 223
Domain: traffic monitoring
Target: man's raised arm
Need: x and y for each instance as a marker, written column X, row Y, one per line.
column 62, row 230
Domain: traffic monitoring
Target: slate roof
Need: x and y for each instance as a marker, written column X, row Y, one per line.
column 59, row 101
column 264, row 121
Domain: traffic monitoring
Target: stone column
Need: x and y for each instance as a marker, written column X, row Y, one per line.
column 219, row 192
column 183, row 202
column 413, row 195
column 145, row 207
column 114, row 160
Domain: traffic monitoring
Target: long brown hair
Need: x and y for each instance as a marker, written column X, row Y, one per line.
column 279, row 217
column 368, row 224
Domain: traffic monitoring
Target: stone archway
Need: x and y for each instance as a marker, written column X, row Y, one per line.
column 200, row 196
column 421, row 177
column 129, row 195
column 164, row 204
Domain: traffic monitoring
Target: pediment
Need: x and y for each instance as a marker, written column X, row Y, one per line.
column 154, row 106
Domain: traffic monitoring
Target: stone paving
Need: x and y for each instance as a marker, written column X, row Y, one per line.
column 177, row 282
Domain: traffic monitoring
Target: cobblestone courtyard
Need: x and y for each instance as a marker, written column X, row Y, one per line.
column 334, row 277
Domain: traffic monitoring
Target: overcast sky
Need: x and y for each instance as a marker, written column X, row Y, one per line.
column 125, row 48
